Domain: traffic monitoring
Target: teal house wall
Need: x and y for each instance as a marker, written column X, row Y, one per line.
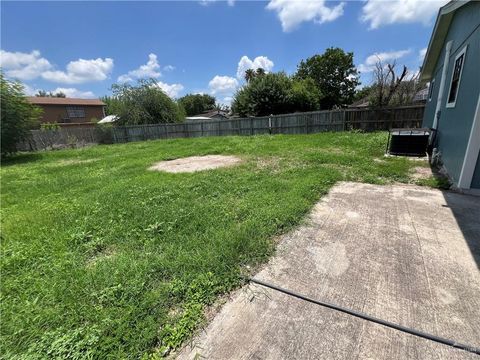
column 455, row 123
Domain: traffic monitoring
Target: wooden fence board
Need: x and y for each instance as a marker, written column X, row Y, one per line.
column 297, row 123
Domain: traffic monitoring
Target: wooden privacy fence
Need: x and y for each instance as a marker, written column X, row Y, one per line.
column 297, row 123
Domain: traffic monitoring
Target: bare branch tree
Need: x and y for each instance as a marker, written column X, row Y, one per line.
column 390, row 89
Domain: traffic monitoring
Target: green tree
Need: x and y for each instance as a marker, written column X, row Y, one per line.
column 362, row 93
column 334, row 74
column 18, row 115
column 304, row 95
column 275, row 93
column 260, row 72
column 145, row 103
column 112, row 105
column 43, row 93
column 195, row 104
column 249, row 75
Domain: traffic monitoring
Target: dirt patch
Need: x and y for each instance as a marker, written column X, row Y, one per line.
column 103, row 255
column 422, row 173
column 195, row 163
column 73, row 162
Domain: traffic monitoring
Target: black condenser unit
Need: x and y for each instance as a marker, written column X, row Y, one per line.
column 408, row 142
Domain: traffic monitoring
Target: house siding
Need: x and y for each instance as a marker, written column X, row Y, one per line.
column 455, row 124
column 58, row 113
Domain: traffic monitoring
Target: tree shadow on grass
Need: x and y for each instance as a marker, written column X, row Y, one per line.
column 21, row 158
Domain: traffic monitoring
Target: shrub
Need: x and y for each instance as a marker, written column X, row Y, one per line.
column 145, row 103
column 18, row 116
column 105, row 133
column 276, row 93
column 49, row 126
column 197, row 103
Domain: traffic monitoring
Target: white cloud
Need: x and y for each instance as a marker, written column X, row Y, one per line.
column 69, row 92
column 225, row 85
column 81, row 71
column 29, row 66
column 168, row 68
column 259, row 62
column 422, row 53
column 28, row 90
column 171, row 90
column 23, row 66
column 74, row 93
column 149, row 70
column 227, row 100
column 293, row 13
column 380, row 12
column 369, row 64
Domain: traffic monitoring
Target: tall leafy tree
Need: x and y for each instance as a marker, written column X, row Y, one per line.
column 275, row 93
column 195, row 104
column 18, row 115
column 112, row 105
column 334, row 74
column 145, row 103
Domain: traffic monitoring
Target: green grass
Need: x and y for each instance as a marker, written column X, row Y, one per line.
column 104, row 259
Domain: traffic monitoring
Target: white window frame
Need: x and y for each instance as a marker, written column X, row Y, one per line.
column 462, row 52
column 430, row 89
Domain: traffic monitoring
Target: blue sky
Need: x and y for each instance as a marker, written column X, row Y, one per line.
column 199, row 46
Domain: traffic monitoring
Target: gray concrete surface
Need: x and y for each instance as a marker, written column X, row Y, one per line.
column 402, row 253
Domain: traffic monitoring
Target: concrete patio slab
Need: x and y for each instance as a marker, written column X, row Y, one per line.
column 406, row 254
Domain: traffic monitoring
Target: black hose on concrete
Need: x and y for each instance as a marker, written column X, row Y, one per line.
column 405, row 329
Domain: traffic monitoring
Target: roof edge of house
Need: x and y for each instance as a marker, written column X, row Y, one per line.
column 440, row 31
column 40, row 100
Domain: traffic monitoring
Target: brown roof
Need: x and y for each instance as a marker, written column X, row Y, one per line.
column 211, row 113
column 38, row 100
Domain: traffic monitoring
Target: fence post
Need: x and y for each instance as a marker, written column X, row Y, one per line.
column 251, row 126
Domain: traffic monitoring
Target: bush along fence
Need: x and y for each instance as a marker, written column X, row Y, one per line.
column 297, row 123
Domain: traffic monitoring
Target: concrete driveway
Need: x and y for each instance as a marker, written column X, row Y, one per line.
column 406, row 254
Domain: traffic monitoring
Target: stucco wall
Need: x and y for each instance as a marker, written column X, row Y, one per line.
column 455, row 123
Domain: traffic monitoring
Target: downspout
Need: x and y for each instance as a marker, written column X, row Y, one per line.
column 441, row 89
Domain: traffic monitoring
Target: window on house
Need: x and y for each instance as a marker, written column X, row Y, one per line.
column 430, row 89
column 456, row 76
column 75, row 112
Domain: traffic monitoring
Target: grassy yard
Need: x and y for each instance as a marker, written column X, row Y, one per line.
column 104, row 259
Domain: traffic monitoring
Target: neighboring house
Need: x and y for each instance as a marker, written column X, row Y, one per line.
column 421, row 96
column 362, row 103
column 69, row 110
column 210, row 115
column 452, row 66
